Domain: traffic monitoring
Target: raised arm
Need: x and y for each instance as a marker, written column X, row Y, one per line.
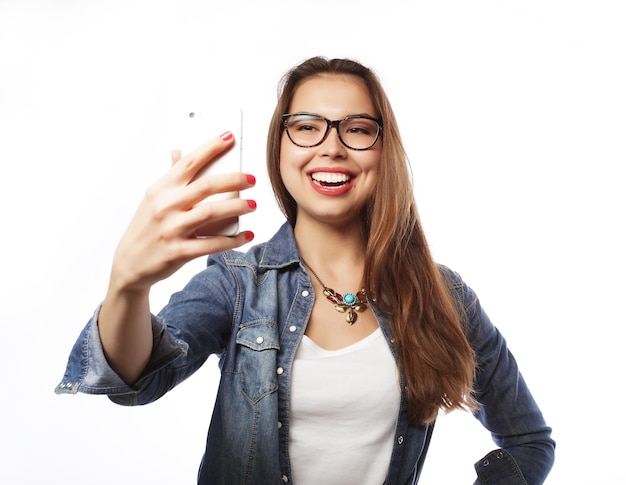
column 159, row 240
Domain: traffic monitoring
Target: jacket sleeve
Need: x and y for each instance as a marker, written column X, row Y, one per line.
column 193, row 325
column 507, row 407
column 89, row 372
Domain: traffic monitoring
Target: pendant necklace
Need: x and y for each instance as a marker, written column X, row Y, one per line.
column 350, row 303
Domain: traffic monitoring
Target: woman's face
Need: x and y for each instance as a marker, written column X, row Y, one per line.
column 330, row 182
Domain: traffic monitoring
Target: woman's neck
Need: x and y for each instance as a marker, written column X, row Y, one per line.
column 335, row 252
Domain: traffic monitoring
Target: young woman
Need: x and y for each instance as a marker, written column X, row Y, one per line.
column 340, row 340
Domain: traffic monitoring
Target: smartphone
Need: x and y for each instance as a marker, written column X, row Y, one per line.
column 188, row 127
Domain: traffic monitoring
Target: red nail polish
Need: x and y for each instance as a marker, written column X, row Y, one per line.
column 251, row 179
column 226, row 136
column 249, row 235
column 251, row 204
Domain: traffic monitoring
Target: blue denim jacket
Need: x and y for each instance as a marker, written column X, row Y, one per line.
column 251, row 309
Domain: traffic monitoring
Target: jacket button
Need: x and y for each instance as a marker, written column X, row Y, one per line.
column 305, row 293
column 293, row 328
column 280, row 425
column 400, row 440
column 259, row 340
column 285, row 479
column 279, row 371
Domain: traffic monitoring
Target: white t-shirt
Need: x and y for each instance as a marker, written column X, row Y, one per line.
column 344, row 408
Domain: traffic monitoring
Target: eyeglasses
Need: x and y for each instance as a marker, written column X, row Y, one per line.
column 357, row 132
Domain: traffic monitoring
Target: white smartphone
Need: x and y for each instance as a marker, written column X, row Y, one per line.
column 188, row 127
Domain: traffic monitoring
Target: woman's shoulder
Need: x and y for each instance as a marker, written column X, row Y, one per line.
column 461, row 291
column 452, row 278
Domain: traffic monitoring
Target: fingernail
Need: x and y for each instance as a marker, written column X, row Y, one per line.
column 251, row 204
column 176, row 155
column 226, row 136
column 249, row 235
column 251, row 179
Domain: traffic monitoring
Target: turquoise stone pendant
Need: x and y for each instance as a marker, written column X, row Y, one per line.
column 349, row 303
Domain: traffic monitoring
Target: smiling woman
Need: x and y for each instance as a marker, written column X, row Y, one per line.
column 313, row 154
column 510, row 112
column 402, row 339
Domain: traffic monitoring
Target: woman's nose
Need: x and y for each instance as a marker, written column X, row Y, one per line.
column 332, row 146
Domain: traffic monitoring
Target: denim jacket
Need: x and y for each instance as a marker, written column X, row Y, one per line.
column 252, row 309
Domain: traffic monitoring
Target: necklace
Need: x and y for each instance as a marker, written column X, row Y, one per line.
column 350, row 303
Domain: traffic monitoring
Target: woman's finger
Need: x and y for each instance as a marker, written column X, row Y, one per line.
column 196, row 247
column 193, row 162
column 217, row 187
column 211, row 218
column 176, row 155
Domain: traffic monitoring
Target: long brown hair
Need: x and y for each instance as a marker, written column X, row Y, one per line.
column 425, row 320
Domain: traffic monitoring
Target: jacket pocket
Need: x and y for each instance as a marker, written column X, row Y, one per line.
column 257, row 352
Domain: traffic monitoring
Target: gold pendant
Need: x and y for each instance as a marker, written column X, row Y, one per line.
column 351, row 317
column 350, row 312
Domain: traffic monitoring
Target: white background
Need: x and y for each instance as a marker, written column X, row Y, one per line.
column 513, row 115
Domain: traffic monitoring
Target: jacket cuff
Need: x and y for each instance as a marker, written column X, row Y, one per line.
column 498, row 468
column 88, row 370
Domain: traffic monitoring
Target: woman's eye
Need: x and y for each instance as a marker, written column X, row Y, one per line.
column 306, row 123
column 306, row 127
column 362, row 126
column 359, row 130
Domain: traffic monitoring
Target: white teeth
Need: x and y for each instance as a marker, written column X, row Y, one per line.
column 330, row 177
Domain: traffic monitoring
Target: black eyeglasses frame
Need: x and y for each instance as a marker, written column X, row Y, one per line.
column 333, row 123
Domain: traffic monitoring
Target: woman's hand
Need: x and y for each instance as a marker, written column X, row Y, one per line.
column 161, row 237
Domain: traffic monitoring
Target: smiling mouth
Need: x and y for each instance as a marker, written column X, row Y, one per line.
column 331, row 179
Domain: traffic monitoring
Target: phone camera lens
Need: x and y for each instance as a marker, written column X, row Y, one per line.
column 192, row 114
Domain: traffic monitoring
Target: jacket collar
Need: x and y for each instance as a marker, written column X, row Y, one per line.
column 281, row 250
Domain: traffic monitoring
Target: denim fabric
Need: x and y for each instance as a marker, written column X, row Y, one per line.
column 498, row 468
column 251, row 309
